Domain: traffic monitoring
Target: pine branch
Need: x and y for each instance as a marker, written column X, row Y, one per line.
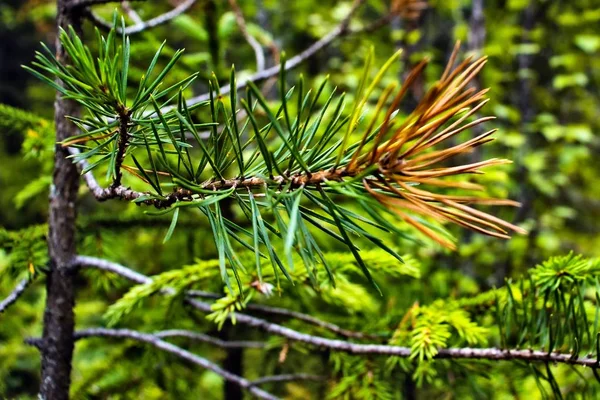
column 355, row 348
column 14, row 295
column 399, row 351
column 143, row 26
column 283, row 312
column 394, row 168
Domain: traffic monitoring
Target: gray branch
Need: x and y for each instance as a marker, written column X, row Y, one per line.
column 340, row 30
column 241, row 23
column 89, row 3
column 356, row 348
column 151, row 23
column 14, row 295
column 201, row 337
column 283, row 312
column 288, row 378
column 179, row 352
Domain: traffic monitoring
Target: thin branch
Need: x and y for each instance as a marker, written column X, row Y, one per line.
column 356, row 348
column 241, row 22
column 117, row 191
column 178, row 351
column 399, row 351
column 140, row 27
column 135, row 17
column 233, row 344
column 89, row 3
column 14, row 295
column 105, row 265
column 288, row 378
column 340, row 30
column 283, row 312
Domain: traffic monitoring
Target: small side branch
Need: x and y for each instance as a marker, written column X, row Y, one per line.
column 141, row 27
column 241, row 22
column 283, row 312
column 14, row 295
column 288, row 378
column 105, row 265
column 340, row 30
column 201, row 337
column 179, row 352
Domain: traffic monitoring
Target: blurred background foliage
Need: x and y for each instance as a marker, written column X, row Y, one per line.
column 544, row 77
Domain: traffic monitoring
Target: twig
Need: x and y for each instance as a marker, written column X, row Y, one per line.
column 379, row 349
column 399, row 351
column 287, row 378
column 241, row 22
column 89, row 3
column 105, row 265
column 117, row 191
column 178, row 351
column 14, row 295
column 340, row 30
column 135, row 17
column 233, row 344
column 140, row 27
column 283, row 312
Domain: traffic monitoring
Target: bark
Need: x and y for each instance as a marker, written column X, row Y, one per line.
column 57, row 348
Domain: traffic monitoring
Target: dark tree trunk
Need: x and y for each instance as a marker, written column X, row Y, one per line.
column 57, row 348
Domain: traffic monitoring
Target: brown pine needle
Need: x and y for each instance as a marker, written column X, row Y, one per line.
column 406, row 155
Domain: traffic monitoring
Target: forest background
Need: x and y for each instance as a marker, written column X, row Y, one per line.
column 544, row 75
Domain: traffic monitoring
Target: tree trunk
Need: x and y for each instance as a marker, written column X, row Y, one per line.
column 57, row 348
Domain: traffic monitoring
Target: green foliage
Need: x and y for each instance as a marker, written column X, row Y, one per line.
column 23, row 250
column 543, row 70
column 224, row 308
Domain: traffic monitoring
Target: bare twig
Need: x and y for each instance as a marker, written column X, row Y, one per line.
column 288, row 378
column 140, row 27
column 105, row 265
column 283, row 312
column 340, row 30
column 379, row 349
column 226, row 344
column 89, row 3
column 135, row 17
column 241, row 22
column 178, row 351
column 14, row 295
